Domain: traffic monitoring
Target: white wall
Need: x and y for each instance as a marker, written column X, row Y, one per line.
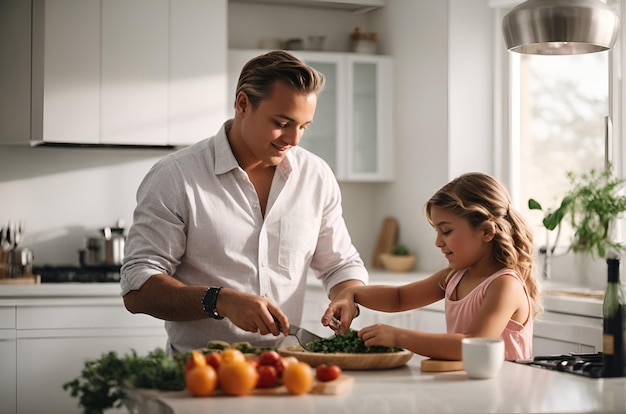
column 63, row 194
column 66, row 194
column 416, row 34
column 443, row 95
column 470, row 83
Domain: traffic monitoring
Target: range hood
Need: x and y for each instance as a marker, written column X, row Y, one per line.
column 362, row 6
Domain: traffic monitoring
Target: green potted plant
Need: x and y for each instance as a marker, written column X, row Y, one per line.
column 593, row 204
column 399, row 259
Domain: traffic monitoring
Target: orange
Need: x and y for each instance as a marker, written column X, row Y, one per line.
column 231, row 354
column 237, row 377
column 201, row 380
column 197, row 358
column 298, row 378
column 289, row 360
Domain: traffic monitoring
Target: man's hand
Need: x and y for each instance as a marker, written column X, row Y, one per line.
column 251, row 312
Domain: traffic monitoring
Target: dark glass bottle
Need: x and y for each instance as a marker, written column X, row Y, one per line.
column 614, row 321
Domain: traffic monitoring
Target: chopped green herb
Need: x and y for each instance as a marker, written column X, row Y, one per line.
column 347, row 343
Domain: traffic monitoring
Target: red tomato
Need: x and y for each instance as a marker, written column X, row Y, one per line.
column 269, row 357
column 280, row 366
column 189, row 364
column 326, row 372
column 253, row 360
column 268, row 377
column 214, row 359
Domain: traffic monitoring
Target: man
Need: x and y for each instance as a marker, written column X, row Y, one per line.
column 225, row 231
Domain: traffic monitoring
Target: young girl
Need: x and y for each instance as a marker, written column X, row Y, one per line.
column 489, row 286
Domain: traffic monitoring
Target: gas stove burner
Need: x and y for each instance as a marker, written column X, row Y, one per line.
column 74, row 274
column 587, row 365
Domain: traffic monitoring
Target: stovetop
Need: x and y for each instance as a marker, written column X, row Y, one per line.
column 78, row 274
column 587, row 365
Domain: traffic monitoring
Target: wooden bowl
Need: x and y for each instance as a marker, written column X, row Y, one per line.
column 397, row 263
column 348, row 361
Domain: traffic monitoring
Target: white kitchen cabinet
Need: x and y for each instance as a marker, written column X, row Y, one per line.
column 558, row 333
column 134, row 70
column 56, row 337
column 147, row 72
column 430, row 319
column 352, row 129
column 8, row 366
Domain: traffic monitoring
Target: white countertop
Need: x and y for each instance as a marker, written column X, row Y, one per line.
column 518, row 388
column 60, row 290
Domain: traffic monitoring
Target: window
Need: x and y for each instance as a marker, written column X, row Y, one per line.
column 551, row 120
column 561, row 104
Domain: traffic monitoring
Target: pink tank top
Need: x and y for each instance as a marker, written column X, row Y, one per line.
column 518, row 338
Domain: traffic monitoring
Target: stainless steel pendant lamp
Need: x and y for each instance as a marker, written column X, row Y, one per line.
column 560, row 27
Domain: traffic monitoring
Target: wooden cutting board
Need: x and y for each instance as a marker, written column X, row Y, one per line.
column 342, row 384
column 27, row 280
column 387, row 238
column 435, row 365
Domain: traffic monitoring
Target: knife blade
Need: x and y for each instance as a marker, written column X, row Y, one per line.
column 303, row 336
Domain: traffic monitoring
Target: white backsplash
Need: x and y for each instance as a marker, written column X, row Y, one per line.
column 580, row 270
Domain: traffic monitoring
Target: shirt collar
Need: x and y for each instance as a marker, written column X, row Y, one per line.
column 225, row 160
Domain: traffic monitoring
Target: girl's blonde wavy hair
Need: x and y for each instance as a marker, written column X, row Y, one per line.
column 485, row 203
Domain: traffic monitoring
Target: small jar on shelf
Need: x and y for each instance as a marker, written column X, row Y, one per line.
column 363, row 42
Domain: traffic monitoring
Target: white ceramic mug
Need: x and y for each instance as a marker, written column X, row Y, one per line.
column 482, row 357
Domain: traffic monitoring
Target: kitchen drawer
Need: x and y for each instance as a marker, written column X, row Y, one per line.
column 7, row 317
column 566, row 333
column 82, row 316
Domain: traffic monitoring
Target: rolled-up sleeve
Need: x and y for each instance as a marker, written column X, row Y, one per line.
column 156, row 239
column 336, row 260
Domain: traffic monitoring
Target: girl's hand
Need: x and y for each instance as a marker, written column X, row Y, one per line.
column 379, row 334
column 340, row 313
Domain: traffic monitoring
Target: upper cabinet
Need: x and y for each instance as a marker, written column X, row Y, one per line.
column 352, row 129
column 113, row 72
column 351, row 5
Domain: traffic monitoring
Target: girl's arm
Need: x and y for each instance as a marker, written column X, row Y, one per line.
column 505, row 299
column 384, row 298
column 401, row 298
column 433, row 345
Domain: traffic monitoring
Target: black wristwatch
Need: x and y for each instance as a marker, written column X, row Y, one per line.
column 209, row 300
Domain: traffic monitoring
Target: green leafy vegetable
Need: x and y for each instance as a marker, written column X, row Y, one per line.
column 102, row 381
column 347, row 343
